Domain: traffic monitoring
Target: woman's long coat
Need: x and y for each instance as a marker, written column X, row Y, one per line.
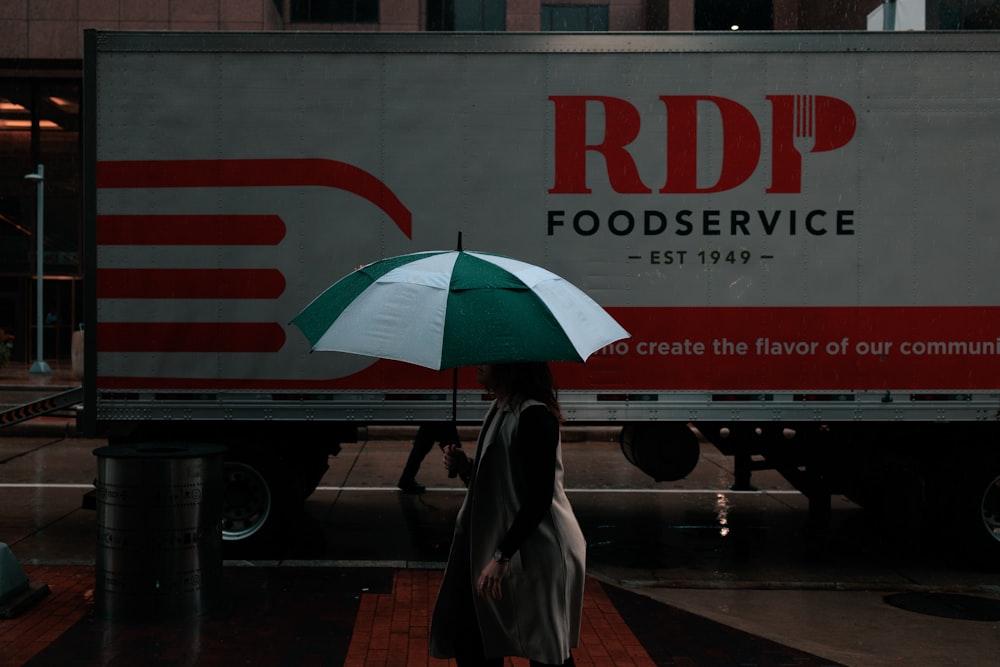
column 538, row 615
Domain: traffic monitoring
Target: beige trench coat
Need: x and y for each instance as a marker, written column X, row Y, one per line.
column 539, row 614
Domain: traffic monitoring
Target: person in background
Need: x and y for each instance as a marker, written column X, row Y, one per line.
column 514, row 581
column 429, row 433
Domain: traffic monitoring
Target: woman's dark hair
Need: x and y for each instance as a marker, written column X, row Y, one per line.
column 529, row 379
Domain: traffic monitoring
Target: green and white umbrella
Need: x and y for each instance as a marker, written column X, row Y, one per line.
column 446, row 309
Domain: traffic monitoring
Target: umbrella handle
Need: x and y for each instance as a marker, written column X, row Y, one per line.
column 452, row 474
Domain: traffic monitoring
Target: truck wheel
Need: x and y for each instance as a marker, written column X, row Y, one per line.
column 257, row 501
column 247, row 501
column 666, row 452
column 977, row 514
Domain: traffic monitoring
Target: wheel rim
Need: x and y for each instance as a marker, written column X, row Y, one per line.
column 991, row 508
column 246, row 503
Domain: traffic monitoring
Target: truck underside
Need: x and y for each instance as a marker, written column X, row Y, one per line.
column 914, row 478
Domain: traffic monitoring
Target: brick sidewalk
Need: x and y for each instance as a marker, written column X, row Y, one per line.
column 71, row 598
column 350, row 617
column 392, row 628
column 389, row 629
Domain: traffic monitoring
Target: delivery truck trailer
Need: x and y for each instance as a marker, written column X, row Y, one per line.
column 798, row 230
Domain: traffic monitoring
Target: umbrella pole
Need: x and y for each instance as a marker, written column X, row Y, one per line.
column 454, row 388
column 454, row 377
column 454, row 396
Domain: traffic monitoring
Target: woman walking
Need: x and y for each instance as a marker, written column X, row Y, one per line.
column 515, row 575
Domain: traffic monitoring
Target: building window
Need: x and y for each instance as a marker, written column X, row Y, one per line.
column 335, row 11
column 576, row 18
column 40, row 124
column 733, row 15
column 968, row 15
column 473, row 15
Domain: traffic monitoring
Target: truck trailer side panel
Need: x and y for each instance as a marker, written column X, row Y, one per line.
column 796, row 228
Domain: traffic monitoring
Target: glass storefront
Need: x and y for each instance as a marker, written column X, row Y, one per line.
column 40, row 124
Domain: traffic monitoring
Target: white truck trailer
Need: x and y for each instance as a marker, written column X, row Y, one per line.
column 798, row 229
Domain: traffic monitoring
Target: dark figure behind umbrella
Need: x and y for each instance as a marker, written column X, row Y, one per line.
column 429, row 433
column 515, row 576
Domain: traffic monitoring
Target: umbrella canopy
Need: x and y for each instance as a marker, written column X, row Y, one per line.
column 445, row 309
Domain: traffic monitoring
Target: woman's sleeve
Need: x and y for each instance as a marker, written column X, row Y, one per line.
column 535, row 448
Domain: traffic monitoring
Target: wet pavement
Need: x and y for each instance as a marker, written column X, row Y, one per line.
column 687, row 573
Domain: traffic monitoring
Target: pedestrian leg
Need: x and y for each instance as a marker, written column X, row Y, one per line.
column 422, row 444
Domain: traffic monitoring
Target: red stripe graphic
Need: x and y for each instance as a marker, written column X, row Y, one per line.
column 255, row 173
column 722, row 349
column 189, row 283
column 801, row 348
column 189, row 337
column 222, row 230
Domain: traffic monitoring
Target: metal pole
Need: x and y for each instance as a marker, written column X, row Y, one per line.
column 39, row 366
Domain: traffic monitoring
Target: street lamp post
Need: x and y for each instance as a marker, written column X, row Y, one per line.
column 38, row 177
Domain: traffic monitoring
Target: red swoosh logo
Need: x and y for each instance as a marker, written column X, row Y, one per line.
column 189, row 337
column 256, row 173
column 189, row 283
column 226, row 230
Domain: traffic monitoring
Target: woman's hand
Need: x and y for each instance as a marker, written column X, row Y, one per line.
column 489, row 581
column 455, row 460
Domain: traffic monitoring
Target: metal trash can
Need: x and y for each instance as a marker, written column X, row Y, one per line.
column 159, row 530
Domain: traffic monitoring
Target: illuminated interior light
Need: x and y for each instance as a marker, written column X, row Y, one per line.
column 26, row 125
column 63, row 103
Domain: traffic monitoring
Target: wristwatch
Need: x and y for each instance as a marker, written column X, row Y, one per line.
column 499, row 557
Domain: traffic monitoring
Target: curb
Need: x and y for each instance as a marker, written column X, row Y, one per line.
column 41, row 427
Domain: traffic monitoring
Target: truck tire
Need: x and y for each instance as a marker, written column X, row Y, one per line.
column 260, row 497
column 976, row 513
column 666, row 452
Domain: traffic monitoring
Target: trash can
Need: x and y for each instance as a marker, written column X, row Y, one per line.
column 159, row 530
